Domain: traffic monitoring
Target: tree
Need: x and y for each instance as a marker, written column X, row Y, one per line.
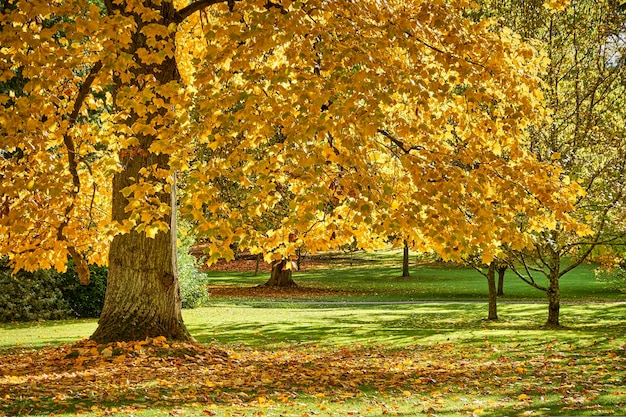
column 118, row 101
column 405, row 260
column 585, row 91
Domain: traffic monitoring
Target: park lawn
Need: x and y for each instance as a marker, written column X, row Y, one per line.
column 438, row 359
column 376, row 277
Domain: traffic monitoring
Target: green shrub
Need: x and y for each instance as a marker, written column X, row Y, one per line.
column 28, row 296
column 84, row 300
column 192, row 283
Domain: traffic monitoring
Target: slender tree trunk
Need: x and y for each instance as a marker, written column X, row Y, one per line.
column 493, row 297
column 405, row 261
column 554, row 300
column 280, row 275
column 501, row 271
column 143, row 296
column 299, row 259
column 258, row 262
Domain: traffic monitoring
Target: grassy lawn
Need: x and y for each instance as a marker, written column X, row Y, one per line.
column 377, row 277
column 262, row 358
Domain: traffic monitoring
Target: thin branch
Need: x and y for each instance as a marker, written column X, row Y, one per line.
column 187, row 11
column 478, row 269
column 600, row 229
column 529, row 279
column 67, row 139
column 81, row 264
column 439, row 50
column 399, row 143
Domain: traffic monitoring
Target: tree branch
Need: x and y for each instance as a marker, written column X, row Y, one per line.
column 399, row 143
column 187, row 11
column 67, row 139
column 529, row 279
column 81, row 264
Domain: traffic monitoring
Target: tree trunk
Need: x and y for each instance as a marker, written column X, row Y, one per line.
column 143, row 296
column 280, row 275
column 554, row 300
column 501, row 271
column 258, row 262
column 493, row 297
column 299, row 259
column 405, row 261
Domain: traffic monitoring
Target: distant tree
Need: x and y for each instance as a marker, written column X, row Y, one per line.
column 405, row 260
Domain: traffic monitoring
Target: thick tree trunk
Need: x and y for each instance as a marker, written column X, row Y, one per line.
column 493, row 297
column 405, row 261
column 143, row 296
column 280, row 275
column 554, row 300
column 501, row 270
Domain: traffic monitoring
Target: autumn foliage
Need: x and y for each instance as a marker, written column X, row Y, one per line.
column 346, row 122
column 404, row 117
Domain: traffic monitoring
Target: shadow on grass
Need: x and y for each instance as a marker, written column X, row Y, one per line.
column 408, row 324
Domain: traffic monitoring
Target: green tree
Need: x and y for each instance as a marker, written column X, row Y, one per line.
column 585, row 92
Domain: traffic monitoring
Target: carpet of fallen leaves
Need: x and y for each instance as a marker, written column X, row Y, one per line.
column 121, row 377
column 273, row 292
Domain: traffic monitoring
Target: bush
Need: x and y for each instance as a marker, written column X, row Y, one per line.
column 28, row 296
column 84, row 300
column 192, row 283
column 48, row 295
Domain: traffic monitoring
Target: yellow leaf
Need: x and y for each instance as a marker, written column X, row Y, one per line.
column 151, row 231
column 487, row 258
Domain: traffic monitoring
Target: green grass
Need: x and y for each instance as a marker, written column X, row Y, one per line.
column 393, row 326
column 376, row 278
column 398, row 326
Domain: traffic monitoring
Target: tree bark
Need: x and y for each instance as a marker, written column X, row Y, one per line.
column 405, row 261
column 280, row 275
column 501, row 270
column 493, row 297
column 143, row 296
column 299, row 259
column 258, row 262
column 554, row 300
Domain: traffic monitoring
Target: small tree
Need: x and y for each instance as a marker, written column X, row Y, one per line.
column 584, row 89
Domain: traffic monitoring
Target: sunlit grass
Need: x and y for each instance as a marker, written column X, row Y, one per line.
column 402, row 325
column 377, row 278
column 588, row 346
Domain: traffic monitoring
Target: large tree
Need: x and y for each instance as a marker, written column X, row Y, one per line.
column 117, row 100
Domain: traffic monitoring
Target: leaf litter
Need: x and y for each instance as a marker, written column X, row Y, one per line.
column 156, row 373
